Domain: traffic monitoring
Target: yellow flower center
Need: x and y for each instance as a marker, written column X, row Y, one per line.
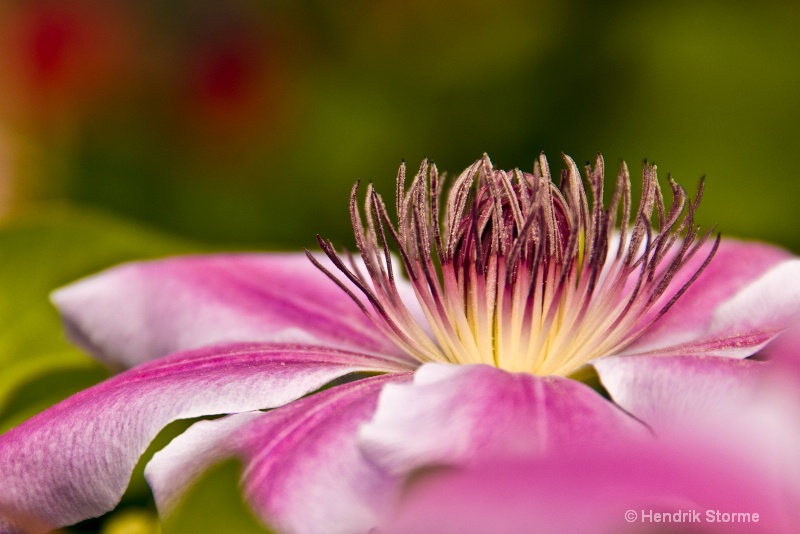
column 517, row 273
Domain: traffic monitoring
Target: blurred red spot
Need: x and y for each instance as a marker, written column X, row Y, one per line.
column 232, row 84
column 51, row 43
column 228, row 76
column 64, row 56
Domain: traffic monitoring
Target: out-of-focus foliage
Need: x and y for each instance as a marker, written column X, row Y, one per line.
column 214, row 504
column 133, row 521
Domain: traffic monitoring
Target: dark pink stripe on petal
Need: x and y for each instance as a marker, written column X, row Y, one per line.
column 453, row 415
column 304, row 466
column 732, row 345
column 303, row 469
column 74, row 460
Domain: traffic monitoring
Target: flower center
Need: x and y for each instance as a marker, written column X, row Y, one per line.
column 521, row 274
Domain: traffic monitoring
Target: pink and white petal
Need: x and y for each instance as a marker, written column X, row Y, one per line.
column 74, row 460
column 783, row 355
column 611, row 491
column 303, row 468
column 452, row 415
column 140, row 311
column 752, row 407
column 733, row 308
column 679, row 392
column 177, row 466
column 785, row 348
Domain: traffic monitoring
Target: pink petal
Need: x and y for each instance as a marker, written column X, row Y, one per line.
column 727, row 439
column 74, row 460
column 140, row 311
column 785, row 347
column 668, row 393
column 746, row 405
column 175, row 467
column 458, row 414
column 595, row 492
column 303, row 469
column 746, row 295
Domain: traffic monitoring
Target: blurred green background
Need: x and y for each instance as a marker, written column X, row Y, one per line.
column 243, row 124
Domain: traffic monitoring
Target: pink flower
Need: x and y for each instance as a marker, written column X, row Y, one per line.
column 526, row 280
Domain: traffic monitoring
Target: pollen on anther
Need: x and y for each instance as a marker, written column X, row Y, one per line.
column 515, row 271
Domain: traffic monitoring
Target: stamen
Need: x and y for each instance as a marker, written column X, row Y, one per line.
column 518, row 273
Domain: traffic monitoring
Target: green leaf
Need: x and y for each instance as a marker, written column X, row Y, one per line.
column 214, row 504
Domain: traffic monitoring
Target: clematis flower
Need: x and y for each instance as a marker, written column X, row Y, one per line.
column 519, row 294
